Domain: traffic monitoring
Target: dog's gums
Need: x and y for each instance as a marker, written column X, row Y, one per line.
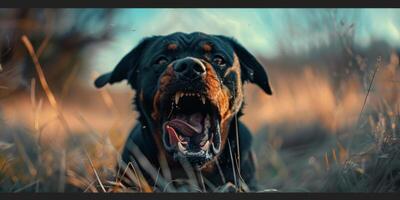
column 191, row 128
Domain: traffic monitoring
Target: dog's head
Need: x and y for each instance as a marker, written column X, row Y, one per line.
column 189, row 87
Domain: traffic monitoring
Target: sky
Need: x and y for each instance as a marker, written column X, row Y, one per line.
column 265, row 32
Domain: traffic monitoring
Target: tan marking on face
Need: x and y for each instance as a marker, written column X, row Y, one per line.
column 219, row 94
column 156, row 100
column 172, row 46
column 207, row 47
column 165, row 80
column 235, row 68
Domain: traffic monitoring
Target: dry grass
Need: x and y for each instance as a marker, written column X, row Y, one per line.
column 309, row 136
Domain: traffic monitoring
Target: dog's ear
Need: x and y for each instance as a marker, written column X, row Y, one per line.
column 126, row 67
column 252, row 70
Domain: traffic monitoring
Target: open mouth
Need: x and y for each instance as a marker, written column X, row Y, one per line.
column 191, row 128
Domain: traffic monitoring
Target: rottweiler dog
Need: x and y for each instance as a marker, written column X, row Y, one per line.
column 189, row 94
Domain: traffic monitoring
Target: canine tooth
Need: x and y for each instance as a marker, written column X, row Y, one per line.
column 177, row 96
column 181, row 148
column 206, row 145
column 216, row 147
column 203, row 99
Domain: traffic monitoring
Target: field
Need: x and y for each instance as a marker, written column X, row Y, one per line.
column 331, row 125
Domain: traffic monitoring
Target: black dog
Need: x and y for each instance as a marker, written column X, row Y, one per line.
column 189, row 95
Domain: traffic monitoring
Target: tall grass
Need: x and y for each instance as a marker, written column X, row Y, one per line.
column 309, row 136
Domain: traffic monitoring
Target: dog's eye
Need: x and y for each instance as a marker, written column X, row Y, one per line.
column 162, row 60
column 219, row 60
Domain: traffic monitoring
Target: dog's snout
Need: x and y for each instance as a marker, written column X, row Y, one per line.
column 189, row 68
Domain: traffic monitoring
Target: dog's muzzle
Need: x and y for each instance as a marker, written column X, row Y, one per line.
column 191, row 125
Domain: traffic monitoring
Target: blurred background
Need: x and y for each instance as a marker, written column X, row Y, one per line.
column 333, row 117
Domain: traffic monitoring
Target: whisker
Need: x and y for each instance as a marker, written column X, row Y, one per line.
column 220, row 171
column 233, row 163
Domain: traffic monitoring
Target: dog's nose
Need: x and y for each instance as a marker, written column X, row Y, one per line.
column 189, row 68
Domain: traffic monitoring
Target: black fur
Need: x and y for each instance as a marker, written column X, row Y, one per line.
column 142, row 74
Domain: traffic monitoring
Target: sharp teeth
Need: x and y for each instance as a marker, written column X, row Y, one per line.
column 203, row 99
column 177, row 97
column 181, row 148
column 181, row 94
column 206, row 145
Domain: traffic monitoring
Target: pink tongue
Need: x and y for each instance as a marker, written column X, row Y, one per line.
column 188, row 126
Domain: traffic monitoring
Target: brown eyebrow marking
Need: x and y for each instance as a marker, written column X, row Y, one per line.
column 207, row 47
column 172, row 46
